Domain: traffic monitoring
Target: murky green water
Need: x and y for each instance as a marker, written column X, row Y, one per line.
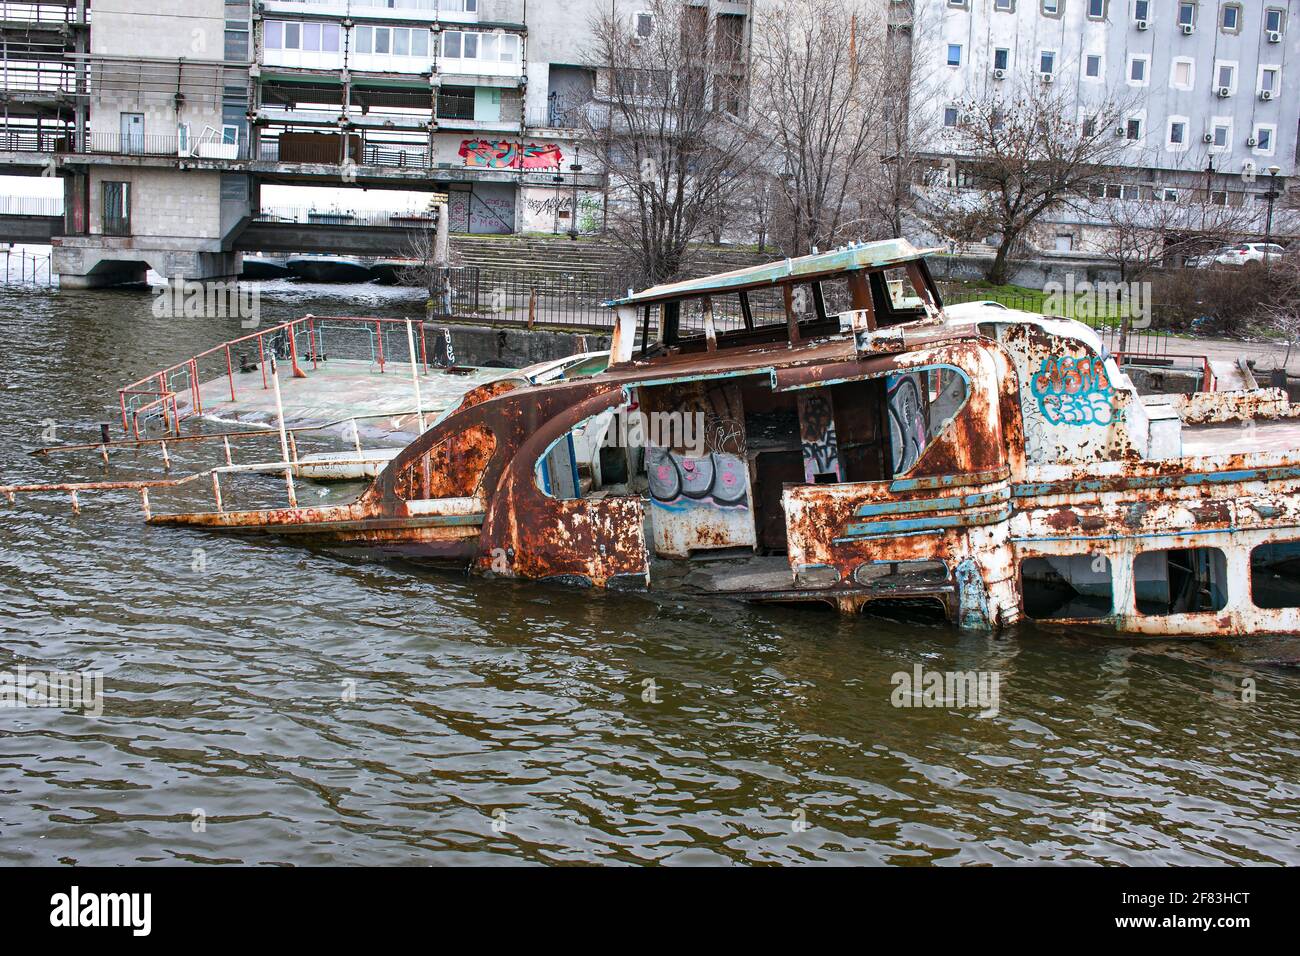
column 498, row 723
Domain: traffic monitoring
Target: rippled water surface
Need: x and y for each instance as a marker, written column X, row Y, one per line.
column 499, row 723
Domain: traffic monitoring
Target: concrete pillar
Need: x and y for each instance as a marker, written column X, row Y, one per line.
column 93, row 262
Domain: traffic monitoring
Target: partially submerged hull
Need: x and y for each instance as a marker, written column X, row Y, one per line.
column 999, row 466
column 265, row 267
column 329, row 269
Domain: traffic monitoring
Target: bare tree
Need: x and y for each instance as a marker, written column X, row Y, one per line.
column 1281, row 311
column 756, row 205
column 817, row 95
column 904, row 126
column 665, row 118
column 429, row 265
column 1018, row 160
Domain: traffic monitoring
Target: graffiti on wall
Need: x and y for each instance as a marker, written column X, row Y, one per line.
column 821, row 452
column 506, row 154
column 1074, row 391
column 679, row 481
column 908, row 428
column 550, row 209
column 491, row 214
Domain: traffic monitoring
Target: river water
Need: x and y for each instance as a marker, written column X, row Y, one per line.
column 268, row 704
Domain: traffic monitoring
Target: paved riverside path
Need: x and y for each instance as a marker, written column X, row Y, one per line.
column 1266, row 355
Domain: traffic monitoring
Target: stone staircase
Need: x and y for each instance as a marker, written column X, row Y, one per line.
column 587, row 256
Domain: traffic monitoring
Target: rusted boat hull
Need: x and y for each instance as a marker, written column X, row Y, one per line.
column 1000, row 467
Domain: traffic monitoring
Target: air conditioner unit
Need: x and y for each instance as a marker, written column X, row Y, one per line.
column 1265, row 94
column 1274, row 36
column 1251, row 142
column 999, row 74
column 1225, row 92
column 1048, row 77
column 1142, row 25
column 1119, row 130
column 1208, row 138
column 1188, row 29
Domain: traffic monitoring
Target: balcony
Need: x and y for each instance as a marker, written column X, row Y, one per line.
column 357, row 9
column 556, row 117
column 328, row 149
column 173, row 146
column 445, row 11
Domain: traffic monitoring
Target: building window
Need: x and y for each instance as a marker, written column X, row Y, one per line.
column 1230, row 18
column 1225, row 78
column 950, row 116
column 1269, row 79
column 1005, row 6
column 1177, row 133
column 1141, row 9
column 1047, row 62
column 1001, row 58
column 1117, row 191
column 1133, row 128
column 1221, row 135
column 1275, row 20
column 644, row 24
column 1092, row 66
column 957, row 3
column 116, row 208
column 1053, row 8
column 490, row 47
column 392, row 41
column 954, row 54
column 1137, row 70
column 1096, row 9
column 1186, row 14
column 1183, row 75
column 1265, row 135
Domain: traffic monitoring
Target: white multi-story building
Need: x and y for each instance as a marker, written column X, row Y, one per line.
column 1210, row 89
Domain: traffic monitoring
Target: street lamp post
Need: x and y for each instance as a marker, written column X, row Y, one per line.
column 1271, row 196
column 575, row 167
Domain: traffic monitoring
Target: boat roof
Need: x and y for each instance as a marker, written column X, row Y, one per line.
column 855, row 256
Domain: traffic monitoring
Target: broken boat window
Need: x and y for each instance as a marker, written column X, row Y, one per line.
column 1067, row 586
column 899, row 575
column 921, row 404
column 1275, row 575
column 766, row 306
column 1182, row 581
column 896, row 297
column 600, row 454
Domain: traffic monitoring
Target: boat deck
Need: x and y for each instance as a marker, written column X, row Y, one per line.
column 339, row 390
column 1238, row 437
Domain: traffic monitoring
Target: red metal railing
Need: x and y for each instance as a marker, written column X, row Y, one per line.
column 158, row 392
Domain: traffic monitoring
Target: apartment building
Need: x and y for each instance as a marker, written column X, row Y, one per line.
column 166, row 119
column 1210, row 88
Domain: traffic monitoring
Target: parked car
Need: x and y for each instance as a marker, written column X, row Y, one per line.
column 1238, row 254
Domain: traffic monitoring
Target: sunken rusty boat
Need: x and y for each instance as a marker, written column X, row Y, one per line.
column 859, row 444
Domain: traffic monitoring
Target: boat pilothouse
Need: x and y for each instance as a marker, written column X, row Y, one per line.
column 822, row 429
